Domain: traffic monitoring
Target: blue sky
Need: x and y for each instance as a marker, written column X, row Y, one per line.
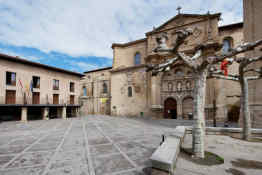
column 77, row 34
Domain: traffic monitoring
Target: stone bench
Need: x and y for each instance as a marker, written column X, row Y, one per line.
column 164, row 158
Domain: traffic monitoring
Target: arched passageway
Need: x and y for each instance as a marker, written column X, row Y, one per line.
column 170, row 109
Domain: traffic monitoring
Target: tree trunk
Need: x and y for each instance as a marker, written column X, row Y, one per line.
column 199, row 113
column 245, row 108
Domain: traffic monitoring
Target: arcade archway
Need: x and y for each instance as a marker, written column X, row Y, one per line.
column 170, row 108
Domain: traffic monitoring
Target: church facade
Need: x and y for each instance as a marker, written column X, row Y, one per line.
column 126, row 89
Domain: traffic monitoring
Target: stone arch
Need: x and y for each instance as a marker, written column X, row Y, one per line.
column 187, row 106
column 170, row 108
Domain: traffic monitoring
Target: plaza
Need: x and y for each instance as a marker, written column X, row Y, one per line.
column 100, row 145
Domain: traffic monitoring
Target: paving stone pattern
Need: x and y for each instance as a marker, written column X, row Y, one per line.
column 93, row 145
column 101, row 145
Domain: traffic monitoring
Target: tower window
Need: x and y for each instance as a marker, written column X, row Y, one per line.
column 105, row 89
column 130, row 91
column 137, row 59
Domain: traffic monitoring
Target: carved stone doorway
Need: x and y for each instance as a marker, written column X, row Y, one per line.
column 170, row 109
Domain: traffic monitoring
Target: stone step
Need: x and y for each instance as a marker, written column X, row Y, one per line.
column 164, row 158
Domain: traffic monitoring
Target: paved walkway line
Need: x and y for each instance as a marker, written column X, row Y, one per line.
column 27, row 148
column 57, row 149
column 117, row 147
column 89, row 158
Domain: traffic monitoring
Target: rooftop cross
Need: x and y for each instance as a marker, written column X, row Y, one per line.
column 179, row 9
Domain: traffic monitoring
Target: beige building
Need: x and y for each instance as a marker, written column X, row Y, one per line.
column 253, row 32
column 29, row 90
column 135, row 92
column 96, row 88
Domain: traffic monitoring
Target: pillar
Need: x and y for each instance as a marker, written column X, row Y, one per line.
column 45, row 113
column 64, row 112
column 24, row 114
column 179, row 109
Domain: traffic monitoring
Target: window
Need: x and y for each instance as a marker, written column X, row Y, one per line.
column 137, row 59
column 179, row 72
column 11, row 78
column 36, row 82
column 72, row 87
column 10, row 97
column 55, row 84
column 84, row 91
column 72, row 99
column 129, row 91
column 227, row 44
column 55, row 99
column 36, row 98
column 105, row 90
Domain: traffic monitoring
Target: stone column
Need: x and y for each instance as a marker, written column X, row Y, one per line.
column 24, row 114
column 64, row 112
column 179, row 109
column 77, row 112
column 45, row 113
column 155, row 92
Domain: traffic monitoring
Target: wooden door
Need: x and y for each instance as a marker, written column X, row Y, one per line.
column 36, row 98
column 10, row 97
column 72, row 99
column 170, row 110
column 56, row 99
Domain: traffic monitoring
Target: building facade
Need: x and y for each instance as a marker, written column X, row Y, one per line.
column 96, row 92
column 30, row 90
column 135, row 92
column 253, row 32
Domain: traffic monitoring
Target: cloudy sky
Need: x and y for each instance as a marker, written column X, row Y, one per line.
column 78, row 34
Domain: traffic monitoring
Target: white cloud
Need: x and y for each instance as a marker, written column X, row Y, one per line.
column 83, row 66
column 89, row 27
column 11, row 53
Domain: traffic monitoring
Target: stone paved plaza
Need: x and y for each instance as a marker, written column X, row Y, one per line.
column 100, row 145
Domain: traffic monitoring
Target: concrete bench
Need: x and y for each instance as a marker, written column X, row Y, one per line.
column 164, row 158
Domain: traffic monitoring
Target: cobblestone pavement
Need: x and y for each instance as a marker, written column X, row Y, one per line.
column 92, row 145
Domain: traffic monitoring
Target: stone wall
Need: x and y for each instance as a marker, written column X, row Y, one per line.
column 253, row 32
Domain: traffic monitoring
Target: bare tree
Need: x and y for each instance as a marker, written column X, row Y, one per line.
column 243, row 81
column 200, row 64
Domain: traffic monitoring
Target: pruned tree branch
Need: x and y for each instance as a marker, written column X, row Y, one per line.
column 253, row 77
column 233, row 52
column 161, row 67
column 182, row 35
column 220, row 76
column 254, row 70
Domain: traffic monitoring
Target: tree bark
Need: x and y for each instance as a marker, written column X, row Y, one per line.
column 199, row 113
column 245, row 108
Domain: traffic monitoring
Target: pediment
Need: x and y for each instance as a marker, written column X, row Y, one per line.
column 183, row 19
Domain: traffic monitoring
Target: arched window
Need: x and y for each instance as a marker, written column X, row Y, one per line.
column 129, row 91
column 227, row 44
column 105, row 89
column 179, row 72
column 137, row 59
column 84, row 91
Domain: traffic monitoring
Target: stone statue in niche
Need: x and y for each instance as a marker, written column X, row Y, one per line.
column 188, row 85
column 179, row 86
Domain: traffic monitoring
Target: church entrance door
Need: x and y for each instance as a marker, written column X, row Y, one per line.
column 170, row 109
